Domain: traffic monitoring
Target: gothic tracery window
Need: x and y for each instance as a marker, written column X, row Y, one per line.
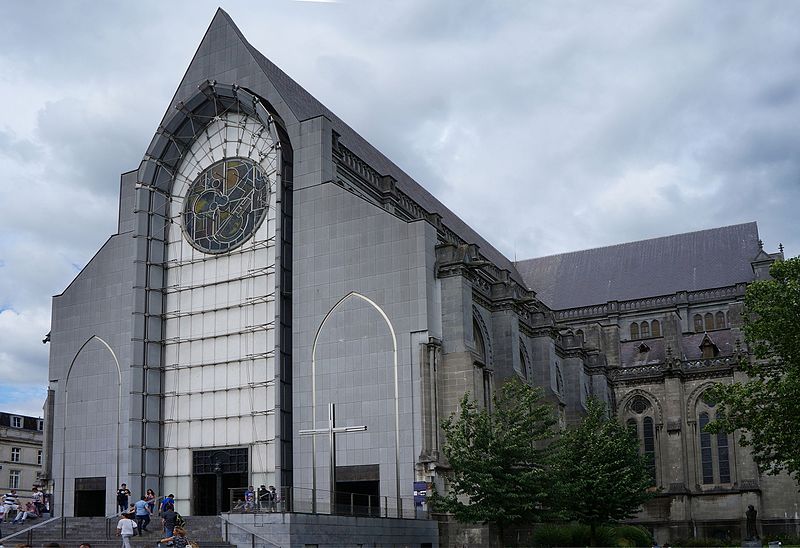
column 714, row 465
column 709, row 321
column 634, row 331
column 645, row 329
column 641, row 422
column 719, row 320
column 698, row 323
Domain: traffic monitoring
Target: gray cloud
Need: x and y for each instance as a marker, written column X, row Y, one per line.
column 548, row 126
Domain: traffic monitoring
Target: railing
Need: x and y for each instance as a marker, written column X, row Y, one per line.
column 303, row 500
column 253, row 536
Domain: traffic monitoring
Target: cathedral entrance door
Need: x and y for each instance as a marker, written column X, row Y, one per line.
column 214, row 474
column 90, row 497
column 358, row 490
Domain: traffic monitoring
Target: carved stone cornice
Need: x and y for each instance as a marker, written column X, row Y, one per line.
column 676, row 300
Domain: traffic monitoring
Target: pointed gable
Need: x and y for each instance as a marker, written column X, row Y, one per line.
column 225, row 55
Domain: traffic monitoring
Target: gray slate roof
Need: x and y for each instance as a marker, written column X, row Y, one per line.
column 660, row 266
column 305, row 106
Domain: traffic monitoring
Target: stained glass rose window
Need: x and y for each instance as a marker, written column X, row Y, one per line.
column 225, row 205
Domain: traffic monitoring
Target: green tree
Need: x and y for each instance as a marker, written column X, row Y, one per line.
column 600, row 474
column 496, row 466
column 766, row 406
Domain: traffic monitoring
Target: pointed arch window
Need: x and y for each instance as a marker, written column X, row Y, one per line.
column 645, row 329
column 634, row 331
column 719, row 320
column 655, row 328
column 639, row 418
column 480, row 344
column 709, row 321
column 698, row 323
column 715, row 464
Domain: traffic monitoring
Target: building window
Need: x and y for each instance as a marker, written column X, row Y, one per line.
column 656, row 328
column 641, row 423
column 709, row 321
column 16, row 422
column 40, row 425
column 13, row 479
column 715, row 465
column 719, row 320
column 579, row 335
column 39, row 457
column 15, row 452
column 634, row 331
column 645, row 329
column 480, row 344
column 698, row 323
column 559, row 380
column 523, row 367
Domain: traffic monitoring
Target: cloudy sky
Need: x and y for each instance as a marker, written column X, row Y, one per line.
column 548, row 126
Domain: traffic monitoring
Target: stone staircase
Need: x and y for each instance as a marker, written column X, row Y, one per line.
column 101, row 532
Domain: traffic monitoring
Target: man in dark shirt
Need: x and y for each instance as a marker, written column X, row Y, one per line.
column 122, row 497
column 168, row 518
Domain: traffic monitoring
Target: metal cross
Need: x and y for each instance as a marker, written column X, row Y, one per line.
column 331, row 430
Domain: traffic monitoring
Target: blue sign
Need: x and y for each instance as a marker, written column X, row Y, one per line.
column 420, row 492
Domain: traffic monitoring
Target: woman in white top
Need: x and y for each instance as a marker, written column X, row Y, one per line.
column 125, row 528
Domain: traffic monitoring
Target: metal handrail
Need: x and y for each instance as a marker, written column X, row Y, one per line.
column 295, row 499
column 253, row 536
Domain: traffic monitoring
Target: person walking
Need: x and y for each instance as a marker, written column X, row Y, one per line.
column 168, row 519
column 142, row 515
column 122, row 497
column 126, row 529
column 150, row 499
column 273, row 499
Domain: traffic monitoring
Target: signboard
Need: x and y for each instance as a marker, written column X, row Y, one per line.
column 420, row 492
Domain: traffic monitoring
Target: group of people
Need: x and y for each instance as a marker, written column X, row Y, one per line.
column 263, row 500
column 136, row 518
column 12, row 506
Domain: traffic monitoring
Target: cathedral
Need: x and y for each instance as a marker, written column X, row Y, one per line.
column 283, row 305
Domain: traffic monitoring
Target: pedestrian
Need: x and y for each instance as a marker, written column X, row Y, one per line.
column 263, row 496
column 168, row 500
column 273, row 499
column 168, row 520
column 150, row 498
column 38, row 501
column 126, row 529
column 85, row 545
column 122, row 497
column 177, row 539
column 142, row 514
column 249, row 499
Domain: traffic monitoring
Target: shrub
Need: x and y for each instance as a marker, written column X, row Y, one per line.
column 574, row 534
column 703, row 541
column 632, row 535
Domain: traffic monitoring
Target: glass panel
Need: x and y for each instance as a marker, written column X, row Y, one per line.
column 650, row 446
column 633, row 427
column 698, row 323
column 709, row 321
column 656, row 327
column 634, row 331
column 705, row 451
column 645, row 329
column 719, row 320
column 722, row 453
